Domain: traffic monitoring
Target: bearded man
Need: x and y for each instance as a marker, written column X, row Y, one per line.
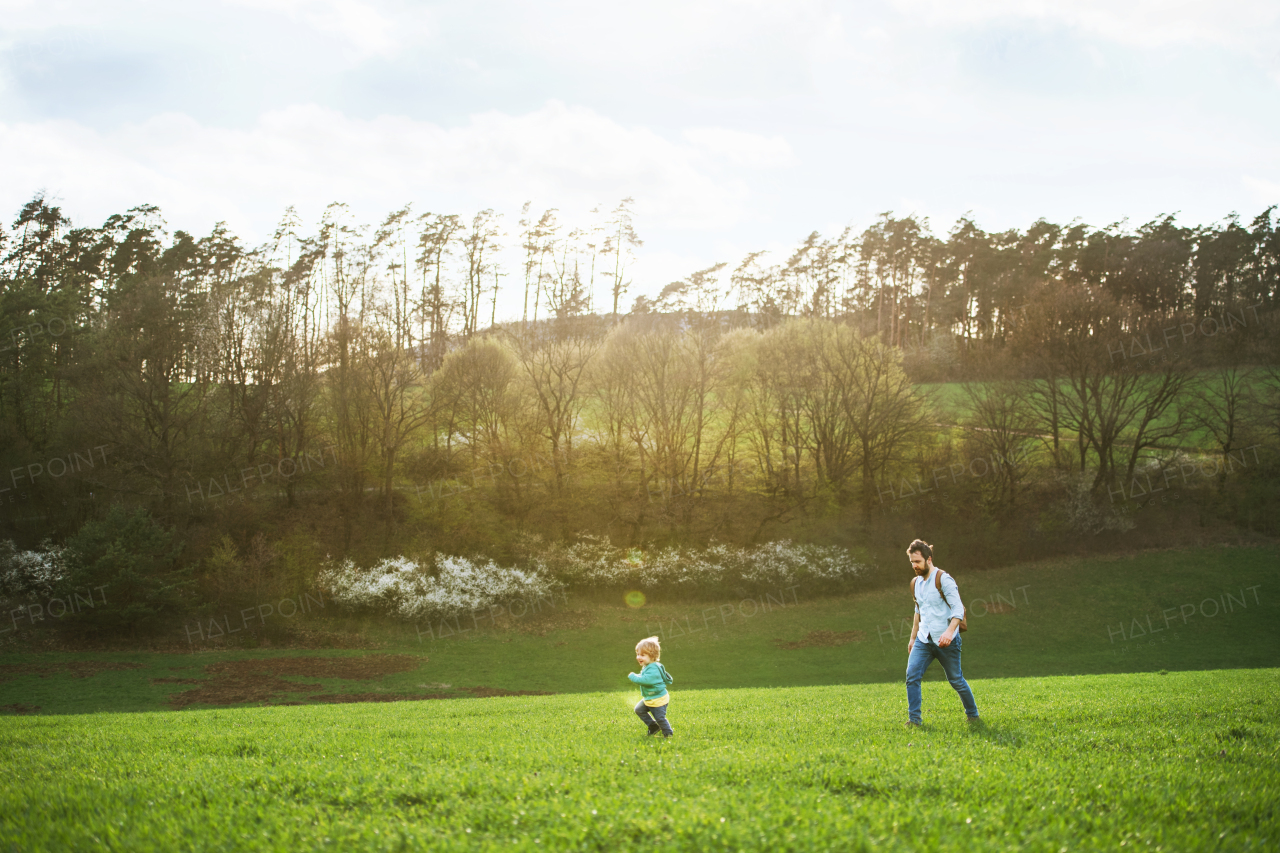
column 935, row 631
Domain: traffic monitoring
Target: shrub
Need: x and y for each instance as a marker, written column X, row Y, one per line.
column 1085, row 512
column 132, row 559
column 446, row 586
column 30, row 574
column 596, row 562
column 229, row 577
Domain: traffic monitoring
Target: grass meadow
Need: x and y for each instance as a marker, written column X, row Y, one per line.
column 1128, row 702
column 1177, row 761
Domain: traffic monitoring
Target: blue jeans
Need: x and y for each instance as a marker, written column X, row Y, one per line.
column 654, row 718
column 922, row 654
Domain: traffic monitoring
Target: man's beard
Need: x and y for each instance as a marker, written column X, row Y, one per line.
column 920, row 572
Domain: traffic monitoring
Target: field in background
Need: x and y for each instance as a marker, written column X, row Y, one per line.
column 1175, row 610
column 1177, row 761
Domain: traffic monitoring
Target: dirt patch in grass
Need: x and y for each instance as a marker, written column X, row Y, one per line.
column 823, row 638
column 74, row 668
column 344, row 698
column 240, row 682
column 237, row 682
column 477, row 692
column 279, row 637
column 239, row 689
column 186, row 637
column 361, row 668
column 19, row 708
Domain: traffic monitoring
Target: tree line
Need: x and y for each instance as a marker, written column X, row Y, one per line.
column 349, row 365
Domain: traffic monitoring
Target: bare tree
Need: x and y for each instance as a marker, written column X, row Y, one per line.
column 756, row 289
column 434, row 242
column 554, row 369
column 1222, row 403
column 476, row 385
column 620, row 428
column 293, row 411
column 538, row 242
column 351, row 410
column 568, row 294
column 481, row 246
column 619, row 249
column 1118, row 411
column 700, row 293
column 884, row 408
column 780, row 381
column 674, row 405
column 1001, row 432
column 396, row 381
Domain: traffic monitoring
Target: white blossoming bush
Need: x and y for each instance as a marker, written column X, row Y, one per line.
column 30, row 574
column 596, row 562
column 449, row 586
column 1084, row 512
column 405, row 589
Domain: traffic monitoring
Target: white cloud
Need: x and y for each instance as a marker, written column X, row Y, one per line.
column 1264, row 192
column 234, row 109
column 720, row 49
column 559, row 155
column 362, row 24
column 741, row 148
column 359, row 28
column 1146, row 23
column 35, row 14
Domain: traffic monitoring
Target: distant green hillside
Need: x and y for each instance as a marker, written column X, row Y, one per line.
column 1175, row 610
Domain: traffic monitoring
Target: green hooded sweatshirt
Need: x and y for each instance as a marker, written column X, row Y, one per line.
column 653, row 680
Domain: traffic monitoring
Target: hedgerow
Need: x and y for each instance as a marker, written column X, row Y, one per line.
column 445, row 586
column 596, row 562
column 430, row 589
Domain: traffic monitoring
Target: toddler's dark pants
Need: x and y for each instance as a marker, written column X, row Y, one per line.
column 654, row 718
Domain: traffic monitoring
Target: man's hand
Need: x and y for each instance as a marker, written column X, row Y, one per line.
column 911, row 644
column 945, row 639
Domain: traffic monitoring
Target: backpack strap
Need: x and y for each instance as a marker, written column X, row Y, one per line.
column 937, row 581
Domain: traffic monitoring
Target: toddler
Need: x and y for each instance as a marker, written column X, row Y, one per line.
column 653, row 680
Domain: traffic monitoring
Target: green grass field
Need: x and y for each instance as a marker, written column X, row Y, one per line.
column 1183, row 761
column 1175, row 610
column 1128, row 702
column 954, row 404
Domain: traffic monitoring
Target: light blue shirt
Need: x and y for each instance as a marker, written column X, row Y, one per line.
column 935, row 614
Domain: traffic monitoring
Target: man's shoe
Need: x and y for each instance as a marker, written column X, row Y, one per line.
column 975, row 722
column 911, row 724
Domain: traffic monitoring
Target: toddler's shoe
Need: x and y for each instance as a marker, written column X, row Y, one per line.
column 653, row 730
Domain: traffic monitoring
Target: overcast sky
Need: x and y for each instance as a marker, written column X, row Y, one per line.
column 735, row 125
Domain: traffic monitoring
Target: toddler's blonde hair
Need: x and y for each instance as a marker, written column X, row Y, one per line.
column 650, row 647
